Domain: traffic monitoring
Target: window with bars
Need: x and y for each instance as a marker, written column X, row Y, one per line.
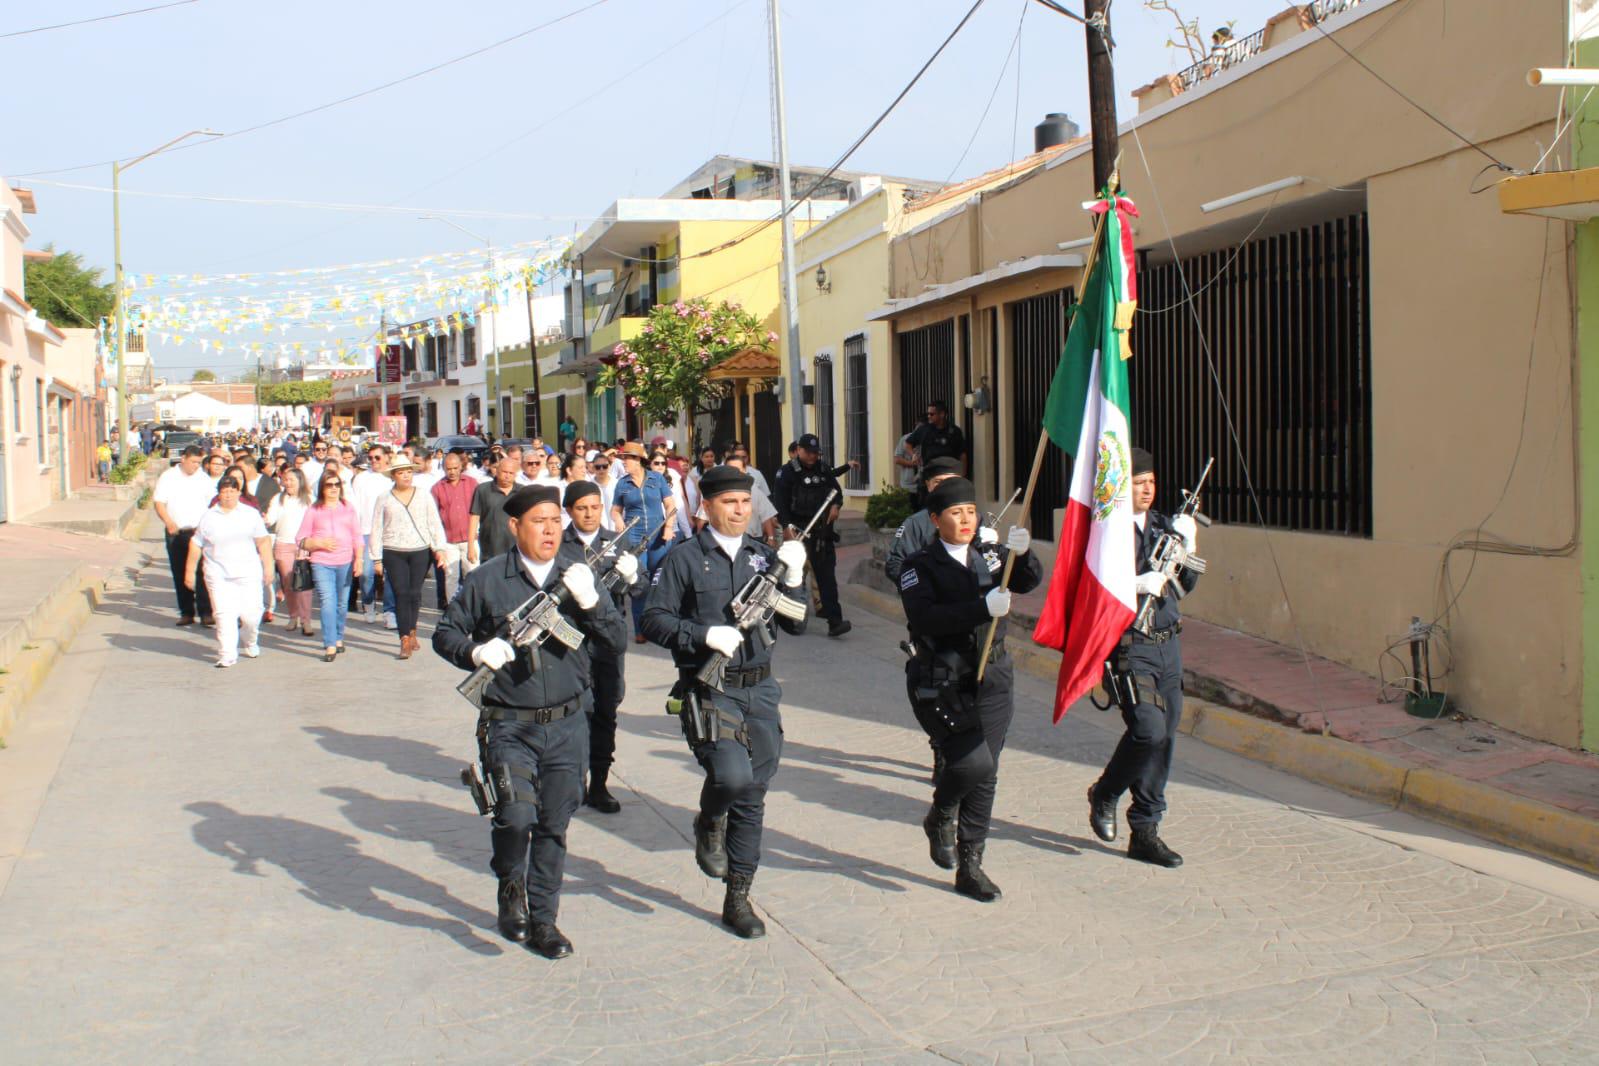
column 530, row 410
column 857, row 419
column 822, row 374
column 38, row 418
column 469, row 346
column 1289, row 332
column 926, row 371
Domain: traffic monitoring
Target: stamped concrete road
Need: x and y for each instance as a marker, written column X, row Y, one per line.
column 276, row 863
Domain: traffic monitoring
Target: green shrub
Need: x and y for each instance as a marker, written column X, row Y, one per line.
column 125, row 472
column 888, row 507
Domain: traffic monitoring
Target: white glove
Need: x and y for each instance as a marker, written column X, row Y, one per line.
column 494, row 654
column 1018, row 539
column 627, row 567
column 724, row 639
column 792, row 556
column 579, row 581
column 1150, row 583
column 987, row 536
column 1188, row 529
column 998, row 601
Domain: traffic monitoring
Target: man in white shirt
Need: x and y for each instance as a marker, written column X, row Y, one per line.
column 182, row 494
column 313, row 465
column 427, row 473
column 367, row 488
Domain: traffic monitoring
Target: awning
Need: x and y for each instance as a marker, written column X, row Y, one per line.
column 1005, row 271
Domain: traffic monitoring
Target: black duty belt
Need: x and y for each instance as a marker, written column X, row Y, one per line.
column 740, row 678
column 536, row 715
column 1160, row 636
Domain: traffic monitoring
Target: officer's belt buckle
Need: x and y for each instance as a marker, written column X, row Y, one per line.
column 745, row 678
column 535, row 715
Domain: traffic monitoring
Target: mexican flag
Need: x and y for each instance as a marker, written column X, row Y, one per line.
column 1091, row 598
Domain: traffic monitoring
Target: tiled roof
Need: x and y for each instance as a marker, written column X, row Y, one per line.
column 958, row 191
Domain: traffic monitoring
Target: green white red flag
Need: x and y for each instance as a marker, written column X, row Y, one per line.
column 1088, row 416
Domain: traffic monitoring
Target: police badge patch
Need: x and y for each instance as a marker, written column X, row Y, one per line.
column 759, row 563
column 908, row 579
column 991, row 557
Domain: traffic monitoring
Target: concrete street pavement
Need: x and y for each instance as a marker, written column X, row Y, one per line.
column 277, row 863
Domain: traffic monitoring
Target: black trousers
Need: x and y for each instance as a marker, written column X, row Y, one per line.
column 406, row 571
column 971, row 759
column 530, row 840
column 610, row 685
column 823, row 557
column 1142, row 762
column 190, row 602
column 736, row 777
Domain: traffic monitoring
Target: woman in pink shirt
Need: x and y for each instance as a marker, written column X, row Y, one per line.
column 331, row 532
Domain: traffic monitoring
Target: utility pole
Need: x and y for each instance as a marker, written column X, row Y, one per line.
column 1101, row 90
column 790, row 289
column 258, row 391
column 533, row 355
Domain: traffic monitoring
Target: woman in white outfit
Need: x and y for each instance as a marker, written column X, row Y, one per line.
column 283, row 517
column 238, row 565
column 407, row 536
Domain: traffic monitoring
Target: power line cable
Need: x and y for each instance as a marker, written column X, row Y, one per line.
column 351, row 97
column 97, row 18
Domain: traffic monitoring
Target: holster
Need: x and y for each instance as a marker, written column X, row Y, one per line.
column 495, row 786
column 943, row 694
column 702, row 721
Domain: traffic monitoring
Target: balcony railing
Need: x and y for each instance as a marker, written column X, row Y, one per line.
column 1229, row 55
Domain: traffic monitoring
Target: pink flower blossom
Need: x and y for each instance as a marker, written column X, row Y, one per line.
column 722, row 341
column 649, row 327
column 619, row 351
column 771, row 338
column 680, row 309
column 632, row 401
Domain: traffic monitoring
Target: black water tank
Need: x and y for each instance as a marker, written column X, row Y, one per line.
column 1055, row 129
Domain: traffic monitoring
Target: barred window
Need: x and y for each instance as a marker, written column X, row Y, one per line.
column 857, row 419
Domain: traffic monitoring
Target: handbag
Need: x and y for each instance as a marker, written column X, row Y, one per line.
column 300, row 579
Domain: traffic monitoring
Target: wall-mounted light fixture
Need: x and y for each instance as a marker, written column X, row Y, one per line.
column 978, row 401
column 823, row 283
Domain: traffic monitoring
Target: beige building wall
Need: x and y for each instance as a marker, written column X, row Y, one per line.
column 1454, row 288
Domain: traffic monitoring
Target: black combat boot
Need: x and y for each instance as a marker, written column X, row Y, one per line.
column 598, row 796
column 1145, row 845
column 513, row 909
column 838, row 627
column 549, row 941
column 1101, row 816
column 939, row 825
column 970, row 880
column 737, row 914
column 710, row 845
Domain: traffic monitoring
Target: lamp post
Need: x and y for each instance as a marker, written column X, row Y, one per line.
column 116, row 253
column 494, row 348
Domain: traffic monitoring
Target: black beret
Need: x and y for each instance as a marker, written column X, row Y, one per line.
column 1143, row 462
column 577, row 490
column 527, row 497
column 951, row 493
column 719, row 479
column 944, row 464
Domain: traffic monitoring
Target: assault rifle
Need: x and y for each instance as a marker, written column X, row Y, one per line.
column 607, row 579
column 1171, row 555
column 757, row 601
column 538, row 619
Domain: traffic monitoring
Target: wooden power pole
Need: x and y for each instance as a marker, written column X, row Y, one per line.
column 1101, row 90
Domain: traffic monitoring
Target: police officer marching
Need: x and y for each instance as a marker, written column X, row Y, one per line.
column 1148, row 684
column 952, row 592
column 533, row 729
column 585, row 506
column 689, row 612
column 802, row 485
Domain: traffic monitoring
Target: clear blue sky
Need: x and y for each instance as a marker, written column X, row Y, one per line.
column 117, row 88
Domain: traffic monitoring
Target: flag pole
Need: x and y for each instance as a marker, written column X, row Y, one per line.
column 1038, row 454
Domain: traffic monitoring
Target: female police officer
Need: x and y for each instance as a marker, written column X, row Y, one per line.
column 951, row 592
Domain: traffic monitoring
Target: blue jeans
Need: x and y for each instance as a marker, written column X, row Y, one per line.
column 368, row 577
column 333, row 599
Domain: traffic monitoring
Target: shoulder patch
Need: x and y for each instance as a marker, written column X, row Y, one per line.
column 655, row 578
column 991, row 557
column 908, row 578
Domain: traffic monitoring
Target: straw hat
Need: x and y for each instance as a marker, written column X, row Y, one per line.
column 399, row 464
column 635, row 449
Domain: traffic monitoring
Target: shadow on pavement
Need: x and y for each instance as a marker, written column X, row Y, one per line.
column 408, row 758
column 461, row 837
column 334, row 873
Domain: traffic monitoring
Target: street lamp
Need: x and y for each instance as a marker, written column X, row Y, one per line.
column 494, row 348
column 116, row 252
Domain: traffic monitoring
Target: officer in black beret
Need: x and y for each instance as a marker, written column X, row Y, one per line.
column 533, row 732
column 689, row 612
column 585, row 506
column 951, row 593
column 1152, row 703
column 801, row 487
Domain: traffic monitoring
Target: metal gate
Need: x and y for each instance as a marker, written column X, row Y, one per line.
column 1290, row 333
column 1038, row 336
column 857, row 425
column 926, row 372
column 822, row 372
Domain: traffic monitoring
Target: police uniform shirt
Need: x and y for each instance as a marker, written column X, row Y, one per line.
column 934, row 443
column 595, row 542
column 1145, row 537
column 913, row 534
column 944, row 597
column 692, row 591
column 495, row 589
column 801, row 490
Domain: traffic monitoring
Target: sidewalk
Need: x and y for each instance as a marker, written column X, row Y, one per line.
column 1258, row 698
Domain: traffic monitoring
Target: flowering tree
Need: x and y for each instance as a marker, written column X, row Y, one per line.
column 664, row 369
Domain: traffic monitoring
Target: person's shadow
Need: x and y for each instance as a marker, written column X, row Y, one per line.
column 461, row 837
column 408, row 758
column 334, row 873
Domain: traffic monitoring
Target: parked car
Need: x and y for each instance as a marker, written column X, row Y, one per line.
column 177, row 440
column 474, row 447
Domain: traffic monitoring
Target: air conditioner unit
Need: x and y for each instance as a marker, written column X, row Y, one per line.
column 416, row 377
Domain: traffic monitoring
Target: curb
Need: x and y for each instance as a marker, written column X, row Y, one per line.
column 1500, row 816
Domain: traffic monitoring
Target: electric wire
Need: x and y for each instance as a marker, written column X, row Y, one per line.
column 97, row 18
column 344, row 99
